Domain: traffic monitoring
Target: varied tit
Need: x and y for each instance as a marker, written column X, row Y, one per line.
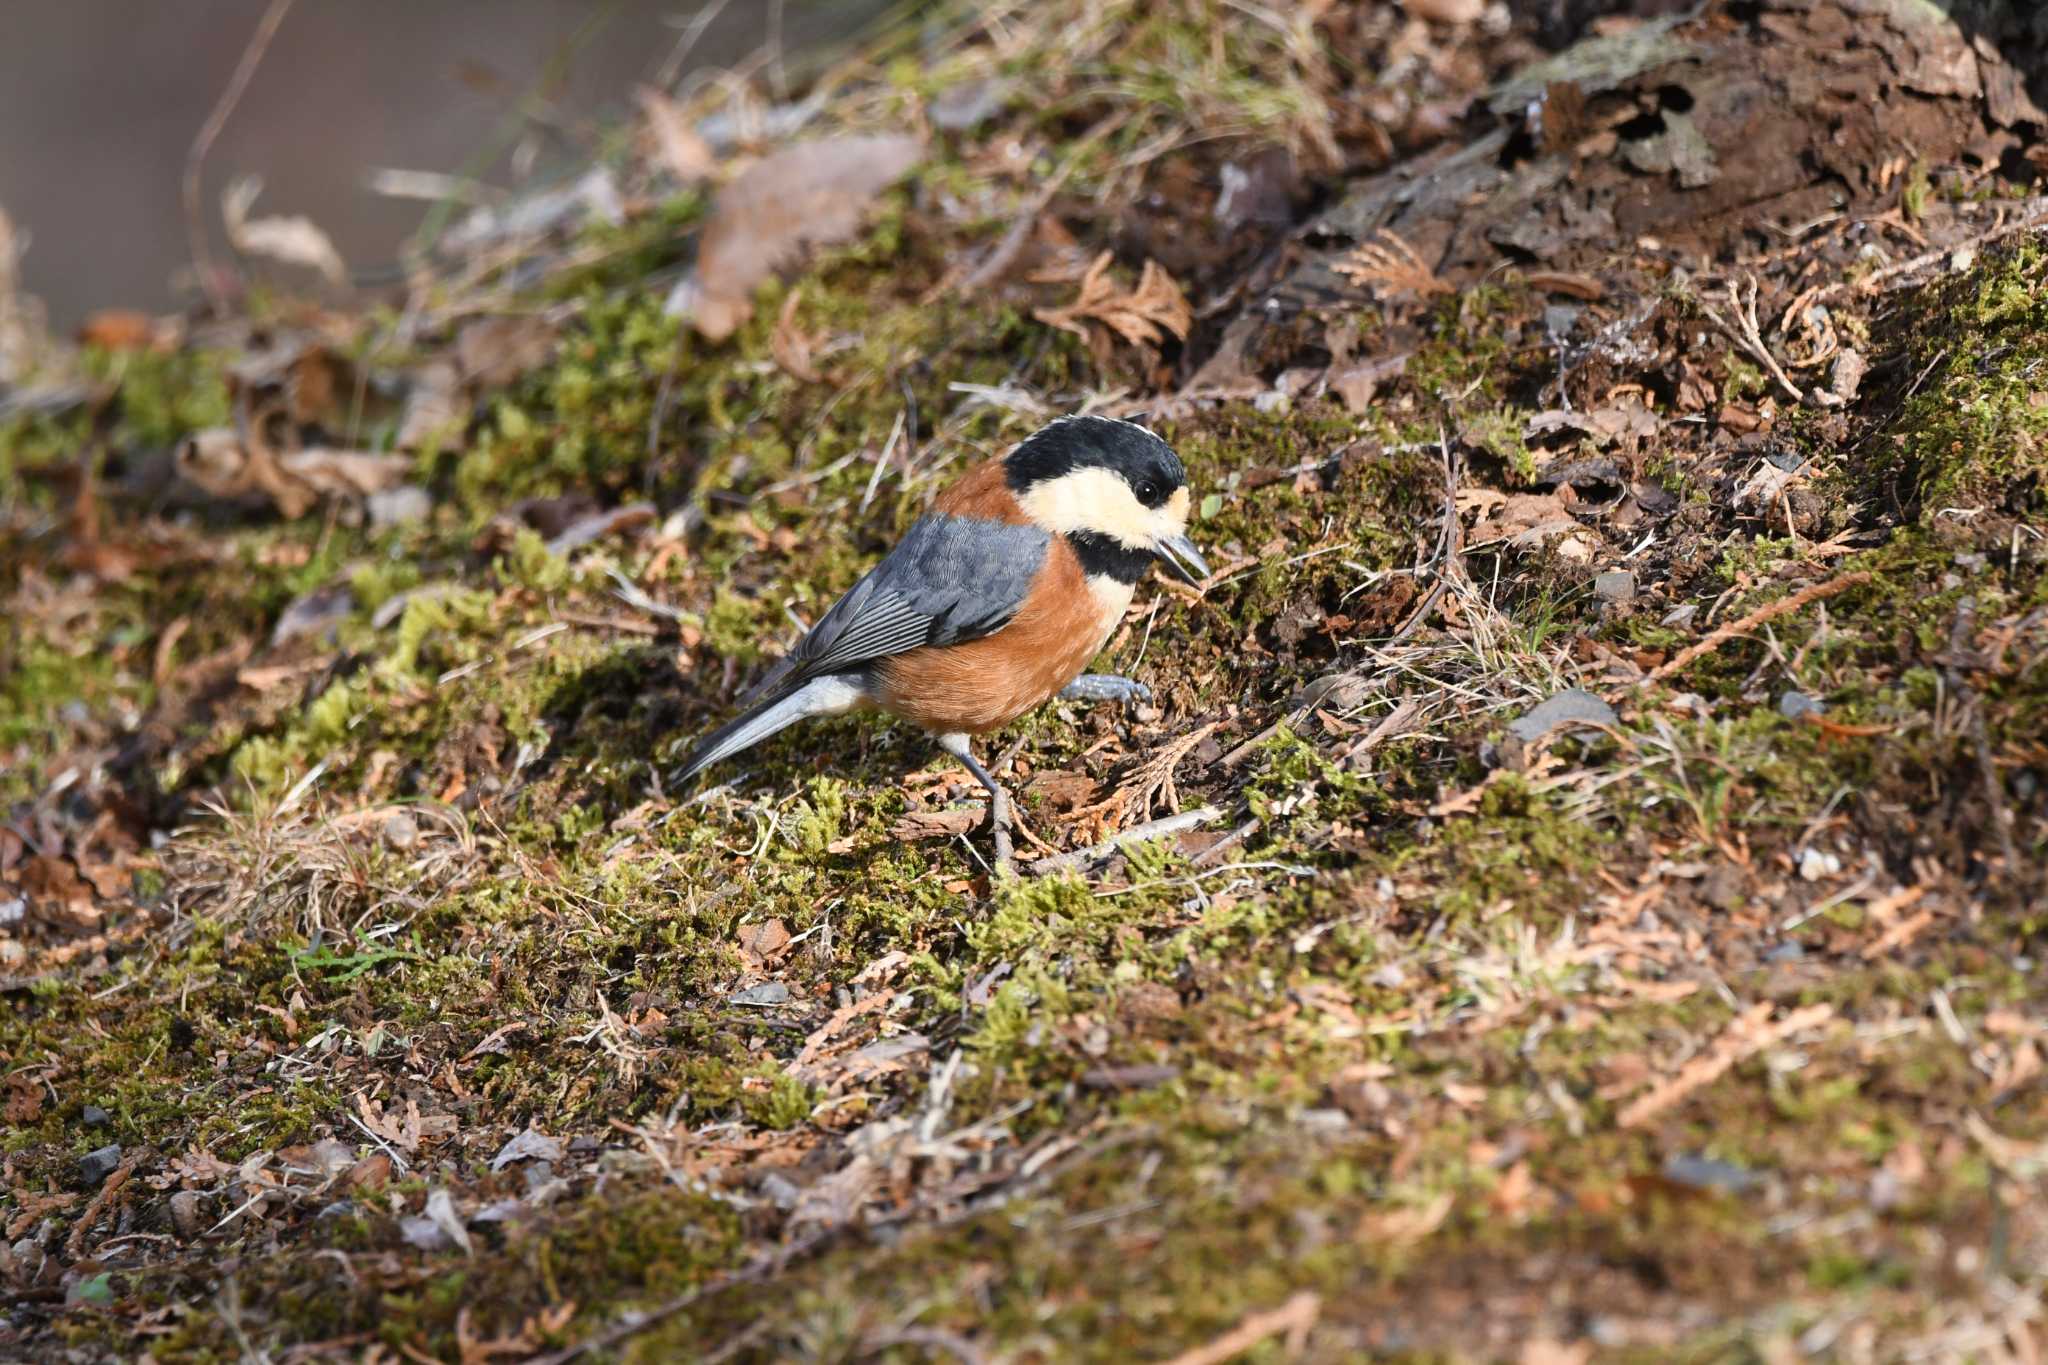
column 993, row 602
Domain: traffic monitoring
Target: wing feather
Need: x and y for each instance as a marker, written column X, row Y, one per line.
column 949, row 580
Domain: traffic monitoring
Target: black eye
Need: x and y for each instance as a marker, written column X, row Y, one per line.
column 1148, row 492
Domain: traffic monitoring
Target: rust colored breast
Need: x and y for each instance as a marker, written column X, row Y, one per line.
column 985, row 684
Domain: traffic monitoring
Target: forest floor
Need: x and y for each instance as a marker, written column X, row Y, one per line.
column 1613, row 746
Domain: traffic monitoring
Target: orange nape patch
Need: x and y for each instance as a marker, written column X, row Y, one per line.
column 982, row 494
column 985, row 684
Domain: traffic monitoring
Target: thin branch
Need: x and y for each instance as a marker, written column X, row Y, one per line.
column 195, row 159
column 1772, row 612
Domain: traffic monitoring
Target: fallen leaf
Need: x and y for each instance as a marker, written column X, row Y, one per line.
column 766, row 940
column 224, row 464
column 118, row 329
column 681, row 150
column 1142, row 316
column 912, row 826
column 436, row 412
column 528, row 1146
column 1405, row 1227
column 441, row 1208
column 293, row 241
column 1357, row 384
column 1522, row 520
column 492, row 352
column 806, row 195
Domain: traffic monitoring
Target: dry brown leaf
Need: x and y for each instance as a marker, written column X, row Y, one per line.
column 1142, row 316
column 492, row 352
column 1520, row 519
column 435, row 411
column 120, row 329
column 764, row 941
column 1405, row 1227
column 220, row 461
column 684, row 154
column 915, row 825
column 810, row 194
column 293, row 241
column 1358, row 383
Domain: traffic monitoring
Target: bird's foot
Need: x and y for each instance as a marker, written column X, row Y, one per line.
column 998, row 804
column 1105, row 687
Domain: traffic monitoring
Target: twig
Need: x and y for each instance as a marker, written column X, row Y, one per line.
column 762, row 1266
column 1155, row 829
column 1225, row 844
column 1723, row 634
column 1746, row 1035
column 195, row 158
column 672, row 65
column 1749, row 336
column 74, row 1245
column 1877, row 278
column 1294, row 1317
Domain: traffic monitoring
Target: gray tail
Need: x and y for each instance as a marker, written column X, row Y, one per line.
column 767, row 717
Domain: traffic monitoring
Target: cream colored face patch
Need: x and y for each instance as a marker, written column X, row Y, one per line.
column 1111, row 599
column 1095, row 499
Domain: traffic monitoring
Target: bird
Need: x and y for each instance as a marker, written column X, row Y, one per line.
column 992, row 602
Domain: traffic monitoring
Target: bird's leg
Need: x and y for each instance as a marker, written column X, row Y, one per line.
column 998, row 801
column 1105, row 687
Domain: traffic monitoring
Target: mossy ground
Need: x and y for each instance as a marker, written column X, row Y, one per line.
column 1388, row 1048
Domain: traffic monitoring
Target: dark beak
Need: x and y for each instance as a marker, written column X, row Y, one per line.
column 1179, row 554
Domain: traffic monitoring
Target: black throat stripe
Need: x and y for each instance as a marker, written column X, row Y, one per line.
column 1101, row 554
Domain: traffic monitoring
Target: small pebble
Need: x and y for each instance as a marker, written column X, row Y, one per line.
column 188, row 1213
column 97, row 1165
column 95, row 1117
column 1814, row 865
column 1618, row 586
column 1793, row 705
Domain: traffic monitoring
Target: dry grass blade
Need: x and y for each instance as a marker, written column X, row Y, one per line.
column 1291, row 1320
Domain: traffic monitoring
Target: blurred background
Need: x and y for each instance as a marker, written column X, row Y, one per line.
column 100, row 101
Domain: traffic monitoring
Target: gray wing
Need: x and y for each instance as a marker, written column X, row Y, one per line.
column 949, row 580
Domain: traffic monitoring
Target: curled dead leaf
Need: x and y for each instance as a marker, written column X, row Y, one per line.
column 293, row 241
column 683, row 153
column 222, row 463
column 810, row 194
column 914, row 825
column 435, row 409
column 493, row 352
